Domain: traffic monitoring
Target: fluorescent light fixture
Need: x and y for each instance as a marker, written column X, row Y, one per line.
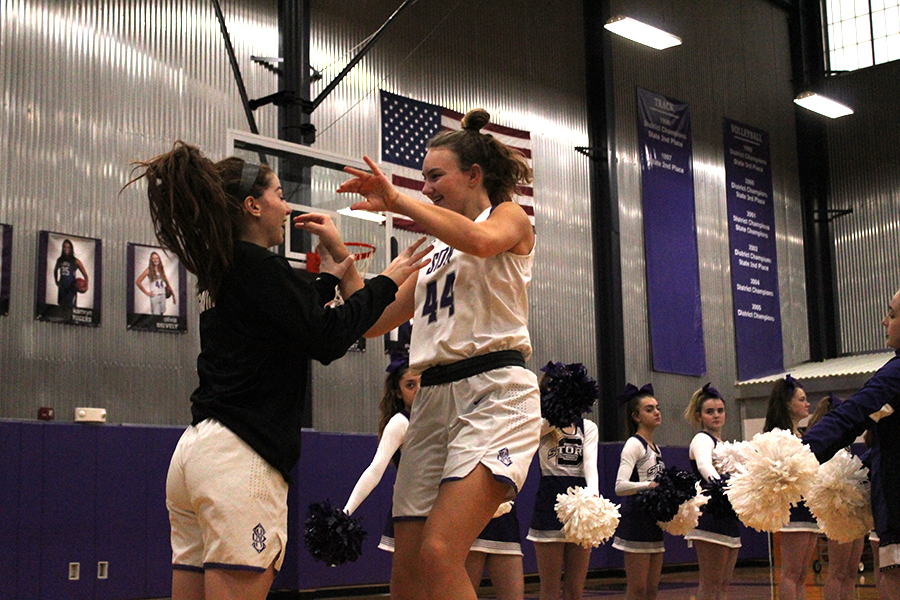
column 642, row 33
column 822, row 105
column 363, row 214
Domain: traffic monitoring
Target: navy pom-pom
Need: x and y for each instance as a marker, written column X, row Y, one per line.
column 719, row 505
column 331, row 535
column 567, row 393
column 674, row 486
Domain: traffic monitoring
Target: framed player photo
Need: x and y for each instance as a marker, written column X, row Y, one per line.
column 69, row 278
column 156, row 290
column 5, row 267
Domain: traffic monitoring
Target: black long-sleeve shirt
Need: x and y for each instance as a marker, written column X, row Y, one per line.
column 256, row 341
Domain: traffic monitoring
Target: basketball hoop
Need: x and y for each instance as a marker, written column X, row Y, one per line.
column 361, row 251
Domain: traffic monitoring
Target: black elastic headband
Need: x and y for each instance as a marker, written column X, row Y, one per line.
column 249, row 173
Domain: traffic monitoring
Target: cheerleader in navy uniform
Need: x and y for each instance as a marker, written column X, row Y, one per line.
column 568, row 458
column 786, row 407
column 400, row 387
column 499, row 550
column 843, row 558
column 638, row 535
column 717, row 537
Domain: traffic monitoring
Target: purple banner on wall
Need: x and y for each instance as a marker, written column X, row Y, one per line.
column 754, row 268
column 670, row 237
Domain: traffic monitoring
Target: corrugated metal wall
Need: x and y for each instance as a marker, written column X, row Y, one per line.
column 734, row 62
column 90, row 87
column 865, row 177
column 462, row 54
column 87, row 88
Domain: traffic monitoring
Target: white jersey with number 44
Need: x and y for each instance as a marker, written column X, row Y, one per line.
column 468, row 306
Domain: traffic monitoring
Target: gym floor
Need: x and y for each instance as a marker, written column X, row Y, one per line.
column 754, row 581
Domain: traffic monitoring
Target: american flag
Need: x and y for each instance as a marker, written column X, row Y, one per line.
column 407, row 125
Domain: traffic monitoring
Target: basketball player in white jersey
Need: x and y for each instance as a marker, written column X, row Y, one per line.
column 475, row 424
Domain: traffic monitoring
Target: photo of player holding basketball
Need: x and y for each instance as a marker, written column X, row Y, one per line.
column 68, row 281
column 65, row 276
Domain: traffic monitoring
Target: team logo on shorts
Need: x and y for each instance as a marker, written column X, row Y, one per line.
column 503, row 456
column 259, row 538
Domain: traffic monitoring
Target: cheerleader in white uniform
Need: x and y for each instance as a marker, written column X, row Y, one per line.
column 638, row 535
column 476, row 422
column 786, row 407
column 568, row 459
column 400, row 389
column 843, row 558
column 717, row 538
column 499, row 550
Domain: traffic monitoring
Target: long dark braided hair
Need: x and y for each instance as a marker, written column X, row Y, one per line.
column 196, row 208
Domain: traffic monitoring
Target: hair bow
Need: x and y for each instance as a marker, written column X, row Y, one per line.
column 632, row 390
column 709, row 389
column 398, row 360
column 792, row 383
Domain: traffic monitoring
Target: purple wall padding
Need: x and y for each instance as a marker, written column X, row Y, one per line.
column 81, row 493
column 120, row 510
column 68, row 497
column 161, row 442
column 10, row 443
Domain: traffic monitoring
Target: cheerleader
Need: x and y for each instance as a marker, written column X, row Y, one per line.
column 400, row 387
column 498, row 548
column 843, row 559
column 568, row 458
column 787, row 406
column 638, row 535
column 717, row 537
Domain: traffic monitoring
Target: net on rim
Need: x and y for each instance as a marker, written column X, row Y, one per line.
column 362, row 256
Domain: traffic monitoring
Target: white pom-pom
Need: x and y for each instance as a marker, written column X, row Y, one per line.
column 688, row 514
column 588, row 520
column 839, row 498
column 776, row 472
column 504, row 508
column 729, row 457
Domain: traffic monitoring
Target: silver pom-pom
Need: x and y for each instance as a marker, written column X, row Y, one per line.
column 588, row 520
column 775, row 473
column 688, row 514
column 839, row 498
column 728, row 457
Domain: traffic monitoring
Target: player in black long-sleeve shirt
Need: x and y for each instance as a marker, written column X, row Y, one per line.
column 226, row 489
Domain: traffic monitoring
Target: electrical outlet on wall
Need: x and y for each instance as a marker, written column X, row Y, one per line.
column 74, row 571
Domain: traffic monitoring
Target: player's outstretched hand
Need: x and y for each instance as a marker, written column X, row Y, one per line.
column 321, row 225
column 378, row 191
column 409, row 261
column 329, row 265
